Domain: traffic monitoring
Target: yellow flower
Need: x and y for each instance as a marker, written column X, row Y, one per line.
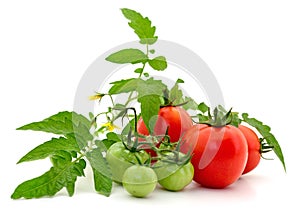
column 110, row 126
column 96, row 97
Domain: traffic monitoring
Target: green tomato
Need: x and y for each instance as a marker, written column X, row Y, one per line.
column 174, row 177
column 119, row 159
column 139, row 180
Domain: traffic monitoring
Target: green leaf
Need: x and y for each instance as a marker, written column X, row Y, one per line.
column 91, row 116
column 141, row 26
column 102, row 173
column 78, row 119
column 150, row 106
column 190, row 105
column 56, row 124
column 143, row 87
column 102, row 184
column 138, row 70
column 48, row 184
column 62, row 123
column 104, row 144
column 124, row 86
column 265, row 131
column 149, row 93
column 202, row 118
column 70, row 124
column 128, row 56
column 159, row 63
column 176, row 95
column 203, row 107
column 235, row 119
column 82, row 135
column 51, row 147
column 113, row 136
column 152, row 51
column 150, row 87
column 179, row 81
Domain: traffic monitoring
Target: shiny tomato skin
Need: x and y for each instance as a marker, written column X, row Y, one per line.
column 253, row 148
column 219, row 154
column 176, row 119
column 139, row 180
column 174, row 177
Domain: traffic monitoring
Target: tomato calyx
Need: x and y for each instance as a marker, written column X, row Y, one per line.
column 170, row 153
column 219, row 118
column 172, row 101
column 265, row 148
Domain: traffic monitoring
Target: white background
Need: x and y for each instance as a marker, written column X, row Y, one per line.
column 252, row 47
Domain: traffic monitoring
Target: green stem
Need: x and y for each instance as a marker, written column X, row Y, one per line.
column 112, row 100
column 130, row 97
column 144, row 64
column 135, row 119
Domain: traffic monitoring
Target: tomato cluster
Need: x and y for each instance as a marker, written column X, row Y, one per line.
column 214, row 154
column 173, row 171
column 220, row 153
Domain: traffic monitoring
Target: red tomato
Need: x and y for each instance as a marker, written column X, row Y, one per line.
column 253, row 148
column 175, row 118
column 219, row 154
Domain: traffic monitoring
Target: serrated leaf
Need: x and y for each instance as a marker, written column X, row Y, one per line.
column 102, row 181
column 50, row 126
column 60, row 158
column 141, row 26
column 127, row 56
column 69, row 124
column 98, row 162
column 175, row 95
column 62, row 123
column 150, row 87
column 235, row 119
column 149, row 93
column 143, row 87
column 265, row 131
column 51, row 147
column 82, row 135
column 52, row 181
column 78, row 119
column 159, row 63
column 102, row 184
column 150, row 106
column 124, row 86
